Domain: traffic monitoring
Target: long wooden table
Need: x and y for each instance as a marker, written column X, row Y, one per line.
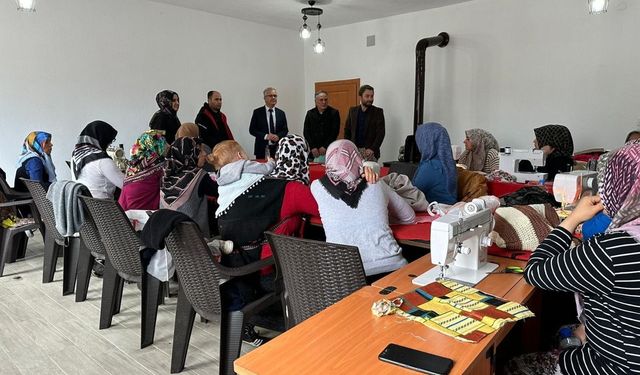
column 346, row 338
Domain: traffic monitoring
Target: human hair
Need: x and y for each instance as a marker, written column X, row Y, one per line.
column 631, row 134
column 209, row 94
column 224, row 153
column 318, row 93
column 267, row 90
column 364, row 88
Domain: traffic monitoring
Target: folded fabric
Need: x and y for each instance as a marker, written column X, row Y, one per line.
column 402, row 185
column 458, row 311
column 470, row 185
column 523, row 227
column 68, row 212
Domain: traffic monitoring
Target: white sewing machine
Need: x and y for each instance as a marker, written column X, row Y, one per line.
column 569, row 187
column 510, row 163
column 117, row 154
column 459, row 243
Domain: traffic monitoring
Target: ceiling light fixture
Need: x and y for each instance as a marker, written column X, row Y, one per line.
column 26, row 5
column 305, row 31
column 597, row 6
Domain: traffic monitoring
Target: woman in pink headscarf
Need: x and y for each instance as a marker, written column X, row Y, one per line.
column 357, row 213
column 605, row 270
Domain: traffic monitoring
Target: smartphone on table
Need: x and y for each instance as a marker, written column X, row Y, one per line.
column 416, row 360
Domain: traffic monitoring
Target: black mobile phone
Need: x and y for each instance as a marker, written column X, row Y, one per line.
column 387, row 290
column 416, row 360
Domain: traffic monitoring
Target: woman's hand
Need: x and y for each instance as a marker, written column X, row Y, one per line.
column 370, row 175
column 586, row 208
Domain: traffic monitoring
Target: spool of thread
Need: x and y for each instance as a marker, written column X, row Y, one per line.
column 488, row 202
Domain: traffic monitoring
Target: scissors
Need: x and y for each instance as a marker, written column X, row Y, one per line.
column 510, row 269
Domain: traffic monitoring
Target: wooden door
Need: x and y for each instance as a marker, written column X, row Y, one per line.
column 343, row 95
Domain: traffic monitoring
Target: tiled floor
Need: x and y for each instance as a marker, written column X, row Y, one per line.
column 43, row 332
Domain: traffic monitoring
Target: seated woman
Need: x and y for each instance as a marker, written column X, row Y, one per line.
column 90, row 164
column 436, row 176
column 166, row 118
column 603, row 269
column 141, row 187
column 356, row 213
column 35, row 161
column 556, row 143
column 481, row 151
column 632, row 136
column 185, row 184
column 189, row 129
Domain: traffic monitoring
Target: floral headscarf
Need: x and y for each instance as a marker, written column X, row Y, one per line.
column 482, row 142
column 620, row 191
column 343, row 179
column 291, row 159
column 181, row 167
column 147, row 156
column 32, row 148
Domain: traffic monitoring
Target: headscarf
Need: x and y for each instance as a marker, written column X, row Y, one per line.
column 343, row 178
column 181, row 167
column 291, row 159
column 147, row 156
column 188, row 129
column 164, row 99
column 434, row 144
column 482, row 142
column 92, row 144
column 556, row 136
column 620, row 191
column 32, row 148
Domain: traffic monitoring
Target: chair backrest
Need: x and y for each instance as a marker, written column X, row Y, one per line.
column 405, row 168
column 90, row 235
column 45, row 208
column 316, row 274
column 196, row 268
column 116, row 233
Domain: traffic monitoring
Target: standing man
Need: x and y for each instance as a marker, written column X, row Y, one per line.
column 268, row 124
column 365, row 125
column 321, row 125
column 213, row 123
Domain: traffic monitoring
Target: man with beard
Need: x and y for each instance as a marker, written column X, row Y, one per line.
column 213, row 123
column 365, row 125
column 321, row 125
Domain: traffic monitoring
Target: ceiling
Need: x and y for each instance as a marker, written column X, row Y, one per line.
column 286, row 13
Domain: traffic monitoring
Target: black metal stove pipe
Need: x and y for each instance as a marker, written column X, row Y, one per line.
column 421, row 49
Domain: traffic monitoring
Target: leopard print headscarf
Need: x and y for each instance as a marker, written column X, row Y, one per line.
column 291, row 159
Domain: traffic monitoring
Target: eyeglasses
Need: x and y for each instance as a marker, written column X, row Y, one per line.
column 271, row 96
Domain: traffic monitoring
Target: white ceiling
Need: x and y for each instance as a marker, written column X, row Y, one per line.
column 286, row 13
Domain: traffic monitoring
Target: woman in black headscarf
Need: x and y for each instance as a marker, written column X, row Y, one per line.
column 166, row 118
column 556, row 143
column 90, row 164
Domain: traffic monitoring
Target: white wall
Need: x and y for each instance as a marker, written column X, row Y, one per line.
column 75, row 61
column 510, row 66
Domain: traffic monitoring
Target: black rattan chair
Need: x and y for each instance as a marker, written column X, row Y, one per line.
column 53, row 241
column 13, row 241
column 200, row 276
column 91, row 249
column 122, row 262
column 316, row 274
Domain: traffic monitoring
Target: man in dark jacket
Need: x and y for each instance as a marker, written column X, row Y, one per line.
column 268, row 124
column 365, row 125
column 213, row 123
column 321, row 125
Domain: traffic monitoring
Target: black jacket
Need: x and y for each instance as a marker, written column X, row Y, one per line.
column 320, row 129
column 259, row 128
column 374, row 132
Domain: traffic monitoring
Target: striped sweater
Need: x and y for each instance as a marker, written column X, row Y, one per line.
column 606, row 270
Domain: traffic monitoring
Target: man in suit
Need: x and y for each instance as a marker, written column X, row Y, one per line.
column 365, row 125
column 212, row 122
column 321, row 125
column 268, row 124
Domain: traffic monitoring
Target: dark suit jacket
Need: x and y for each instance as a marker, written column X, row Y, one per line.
column 321, row 129
column 259, row 128
column 374, row 132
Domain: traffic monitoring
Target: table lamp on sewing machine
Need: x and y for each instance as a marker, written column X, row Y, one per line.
column 459, row 241
column 569, row 187
column 510, row 162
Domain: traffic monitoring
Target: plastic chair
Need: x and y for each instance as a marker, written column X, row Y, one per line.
column 91, row 249
column 13, row 241
column 316, row 274
column 200, row 277
column 122, row 262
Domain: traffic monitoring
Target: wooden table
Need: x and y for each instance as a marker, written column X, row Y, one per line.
column 346, row 338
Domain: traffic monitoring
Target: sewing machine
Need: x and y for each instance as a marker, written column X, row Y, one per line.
column 510, row 162
column 459, row 243
column 117, row 154
column 569, row 187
